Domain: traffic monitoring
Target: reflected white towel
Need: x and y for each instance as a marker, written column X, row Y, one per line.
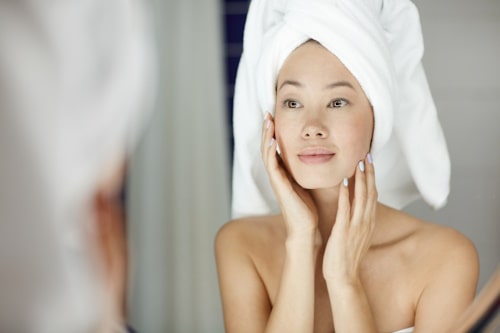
column 380, row 42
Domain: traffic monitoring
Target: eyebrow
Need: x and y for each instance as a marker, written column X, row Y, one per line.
column 329, row 86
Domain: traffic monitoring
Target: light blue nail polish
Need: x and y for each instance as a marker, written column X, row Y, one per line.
column 362, row 166
column 346, row 181
column 369, row 158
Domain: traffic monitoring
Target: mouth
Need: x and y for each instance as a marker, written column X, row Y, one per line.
column 316, row 155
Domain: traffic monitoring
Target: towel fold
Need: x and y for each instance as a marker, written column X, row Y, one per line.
column 380, row 42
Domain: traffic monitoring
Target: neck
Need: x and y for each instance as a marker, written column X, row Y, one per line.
column 326, row 201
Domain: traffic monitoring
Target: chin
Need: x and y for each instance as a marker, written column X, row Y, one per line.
column 314, row 182
column 321, row 176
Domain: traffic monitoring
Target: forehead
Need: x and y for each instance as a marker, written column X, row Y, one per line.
column 311, row 60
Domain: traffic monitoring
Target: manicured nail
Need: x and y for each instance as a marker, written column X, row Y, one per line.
column 362, row 166
column 271, row 142
column 346, row 181
column 268, row 123
column 369, row 158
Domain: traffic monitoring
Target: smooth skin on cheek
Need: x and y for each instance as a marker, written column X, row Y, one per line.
column 365, row 132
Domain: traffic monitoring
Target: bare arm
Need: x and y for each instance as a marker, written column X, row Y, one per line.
column 294, row 307
column 346, row 249
column 350, row 308
column 245, row 302
column 452, row 280
column 245, row 299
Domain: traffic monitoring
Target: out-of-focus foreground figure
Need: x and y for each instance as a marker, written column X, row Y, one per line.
column 75, row 86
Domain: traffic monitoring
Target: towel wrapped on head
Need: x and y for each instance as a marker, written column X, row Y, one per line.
column 380, row 42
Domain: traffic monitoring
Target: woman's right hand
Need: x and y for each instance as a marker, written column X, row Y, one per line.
column 297, row 206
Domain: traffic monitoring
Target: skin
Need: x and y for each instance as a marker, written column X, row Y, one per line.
column 335, row 260
column 484, row 310
column 109, row 245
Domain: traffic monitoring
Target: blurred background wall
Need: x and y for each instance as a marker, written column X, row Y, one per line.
column 462, row 62
column 179, row 184
column 178, row 189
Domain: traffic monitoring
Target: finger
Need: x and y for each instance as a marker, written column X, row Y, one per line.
column 371, row 189
column 269, row 147
column 359, row 202
column 265, row 132
column 344, row 206
column 267, row 139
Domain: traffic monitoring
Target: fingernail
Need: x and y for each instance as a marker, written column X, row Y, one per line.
column 268, row 123
column 346, row 181
column 369, row 158
column 271, row 142
column 362, row 166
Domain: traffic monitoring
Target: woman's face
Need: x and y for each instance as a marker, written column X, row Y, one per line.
column 323, row 120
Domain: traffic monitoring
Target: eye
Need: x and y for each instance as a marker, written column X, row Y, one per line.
column 291, row 104
column 338, row 103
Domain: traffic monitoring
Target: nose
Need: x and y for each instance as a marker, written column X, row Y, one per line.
column 314, row 129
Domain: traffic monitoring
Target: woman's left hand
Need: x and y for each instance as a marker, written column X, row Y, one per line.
column 351, row 235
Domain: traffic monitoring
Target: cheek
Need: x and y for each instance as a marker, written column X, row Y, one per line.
column 284, row 133
column 358, row 134
column 283, row 130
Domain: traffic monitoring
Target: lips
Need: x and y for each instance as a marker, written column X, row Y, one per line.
column 316, row 155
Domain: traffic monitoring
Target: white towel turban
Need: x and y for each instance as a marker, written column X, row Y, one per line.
column 380, row 42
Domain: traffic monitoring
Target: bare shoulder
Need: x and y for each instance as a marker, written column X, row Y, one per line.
column 445, row 245
column 240, row 246
column 443, row 267
column 436, row 247
column 249, row 234
column 428, row 238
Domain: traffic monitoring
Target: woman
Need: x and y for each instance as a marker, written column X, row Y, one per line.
column 334, row 259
